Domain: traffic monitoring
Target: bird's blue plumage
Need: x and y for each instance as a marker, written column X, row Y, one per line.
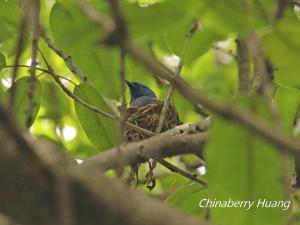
column 141, row 95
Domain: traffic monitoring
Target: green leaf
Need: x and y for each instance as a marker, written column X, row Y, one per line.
column 9, row 19
column 143, row 22
column 83, row 151
column 283, row 47
column 169, row 30
column 78, row 37
column 187, row 199
column 172, row 182
column 54, row 101
column 287, row 100
column 21, row 100
column 242, row 166
column 100, row 130
column 2, row 61
column 225, row 17
column 100, row 66
column 198, row 44
column 70, row 27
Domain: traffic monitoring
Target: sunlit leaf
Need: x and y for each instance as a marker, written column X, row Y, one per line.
column 21, row 99
column 100, row 130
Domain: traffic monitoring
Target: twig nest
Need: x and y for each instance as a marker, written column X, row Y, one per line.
column 147, row 117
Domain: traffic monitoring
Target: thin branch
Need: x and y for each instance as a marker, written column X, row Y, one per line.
column 175, row 169
column 67, row 79
column 243, row 61
column 139, row 152
column 34, row 11
column 263, row 71
column 79, row 100
column 227, row 52
column 44, row 71
column 51, row 72
column 68, row 60
column 168, row 99
column 123, row 96
column 192, row 166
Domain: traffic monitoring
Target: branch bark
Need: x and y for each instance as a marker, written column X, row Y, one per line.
column 139, row 152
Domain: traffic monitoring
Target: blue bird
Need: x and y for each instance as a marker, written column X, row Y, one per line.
column 141, row 95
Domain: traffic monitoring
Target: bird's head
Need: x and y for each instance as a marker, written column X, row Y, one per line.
column 139, row 90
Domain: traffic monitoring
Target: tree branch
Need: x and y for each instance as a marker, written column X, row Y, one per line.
column 190, row 128
column 123, row 112
column 139, row 152
column 243, row 61
column 34, row 12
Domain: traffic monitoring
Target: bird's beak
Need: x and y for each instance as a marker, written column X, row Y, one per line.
column 129, row 84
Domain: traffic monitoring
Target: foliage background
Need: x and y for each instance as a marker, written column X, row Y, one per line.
column 241, row 164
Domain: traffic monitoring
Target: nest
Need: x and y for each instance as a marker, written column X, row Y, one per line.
column 147, row 117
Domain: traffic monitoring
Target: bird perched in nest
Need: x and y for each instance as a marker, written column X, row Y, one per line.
column 145, row 111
